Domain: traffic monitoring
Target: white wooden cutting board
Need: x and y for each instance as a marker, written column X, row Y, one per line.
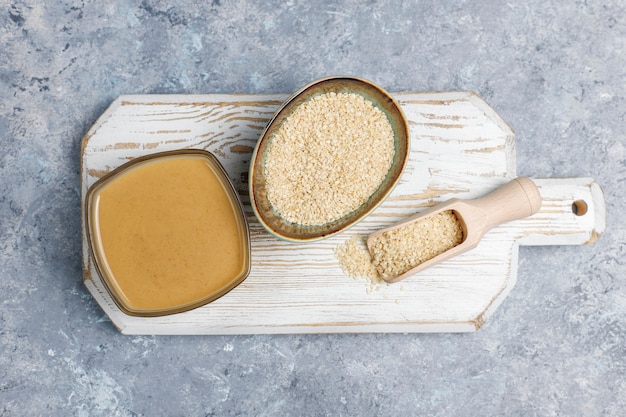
column 459, row 148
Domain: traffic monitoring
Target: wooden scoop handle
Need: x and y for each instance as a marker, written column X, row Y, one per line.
column 513, row 201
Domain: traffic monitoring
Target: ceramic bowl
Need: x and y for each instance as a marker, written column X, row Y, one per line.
column 271, row 220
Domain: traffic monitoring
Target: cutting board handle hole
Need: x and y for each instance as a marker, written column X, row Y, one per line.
column 579, row 207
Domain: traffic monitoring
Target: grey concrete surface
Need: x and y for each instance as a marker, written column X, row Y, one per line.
column 556, row 71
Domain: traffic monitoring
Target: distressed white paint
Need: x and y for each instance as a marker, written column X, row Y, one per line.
column 459, row 148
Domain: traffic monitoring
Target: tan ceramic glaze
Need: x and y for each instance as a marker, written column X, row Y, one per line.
column 167, row 233
column 286, row 230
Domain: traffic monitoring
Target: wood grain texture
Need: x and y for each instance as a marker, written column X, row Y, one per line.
column 459, row 148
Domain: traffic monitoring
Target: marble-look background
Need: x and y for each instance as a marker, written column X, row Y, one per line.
column 556, row 71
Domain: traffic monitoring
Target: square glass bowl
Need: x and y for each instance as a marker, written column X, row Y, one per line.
column 167, row 232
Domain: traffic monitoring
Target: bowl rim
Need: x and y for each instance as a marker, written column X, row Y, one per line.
column 263, row 137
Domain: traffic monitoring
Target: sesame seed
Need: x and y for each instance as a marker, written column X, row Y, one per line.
column 399, row 250
column 355, row 260
column 327, row 158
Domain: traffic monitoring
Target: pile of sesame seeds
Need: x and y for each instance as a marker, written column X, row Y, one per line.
column 355, row 260
column 327, row 158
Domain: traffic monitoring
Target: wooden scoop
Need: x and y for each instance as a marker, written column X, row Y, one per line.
column 513, row 201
